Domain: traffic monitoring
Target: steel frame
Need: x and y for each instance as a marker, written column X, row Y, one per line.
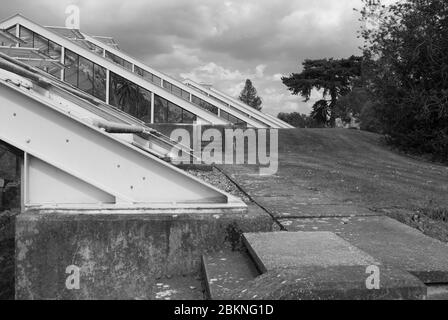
column 63, row 154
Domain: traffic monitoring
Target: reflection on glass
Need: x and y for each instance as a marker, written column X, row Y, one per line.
column 27, row 36
column 139, row 71
column 168, row 112
column 99, row 82
column 40, row 43
column 85, row 77
column 232, row 119
column 45, row 46
column 204, row 104
column 54, row 50
column 160, row 110
column 174, row 113
column 156, row 80
column 84, row 74
column 130, row 97
column 188, row 117
column 185, row 95
column 120, row 61
column 147, row 76
column 71, row 67
column 176, row 90
column 167, row 85
column 144, row 106
column 7, row 42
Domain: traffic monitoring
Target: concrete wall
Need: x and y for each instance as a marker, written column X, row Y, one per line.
column 119, row 256
column 7, row 264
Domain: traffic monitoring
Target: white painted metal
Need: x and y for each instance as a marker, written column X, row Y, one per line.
column 49, row 185
column 55, row 141
column 73, row 103
column 62, row 62
column 107, row 86
column 152, row 107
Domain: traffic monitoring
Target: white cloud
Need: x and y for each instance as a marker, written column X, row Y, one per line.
column 215, row 41
column 259, row 70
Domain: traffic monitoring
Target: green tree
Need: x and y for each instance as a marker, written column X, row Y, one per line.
column 407, row 72
column 250, row 96
column 334, row 77
column 297, row 120
column 352, row 104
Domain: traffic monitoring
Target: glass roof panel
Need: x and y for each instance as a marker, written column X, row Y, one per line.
column 109, row 41
column 6, row 38
column 67, row 33
column 31, row 56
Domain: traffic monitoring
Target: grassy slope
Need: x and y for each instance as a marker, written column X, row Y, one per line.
column 357, row 167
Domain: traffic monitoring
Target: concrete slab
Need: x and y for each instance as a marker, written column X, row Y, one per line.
column 226, row 271
column 388, row 240
column 331, row 283
column 279, row 250
column 321, row 266
column 119, row 256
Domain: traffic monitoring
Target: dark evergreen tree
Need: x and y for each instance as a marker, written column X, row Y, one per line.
column 298, row 120
column 250, row 96
column 335, row 77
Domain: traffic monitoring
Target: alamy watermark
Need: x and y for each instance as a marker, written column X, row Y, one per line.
column 72, row 282
column 373, row 280
column 73, row 19
column 228, row 146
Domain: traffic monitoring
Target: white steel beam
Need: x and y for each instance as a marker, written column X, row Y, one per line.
column 31, row 123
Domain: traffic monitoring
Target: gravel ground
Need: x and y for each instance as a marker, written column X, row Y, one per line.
column 219, row 180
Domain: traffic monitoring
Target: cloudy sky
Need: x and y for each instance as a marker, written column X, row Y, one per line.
column 217, row 41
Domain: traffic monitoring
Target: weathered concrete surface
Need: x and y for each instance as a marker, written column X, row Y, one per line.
column 277, row 250
column 227, row 271
column 178, row 288
column 7, row 225
column 438, row 292
column 119, row 256
column 387, row 240
column 320, row 265
column 331, row 283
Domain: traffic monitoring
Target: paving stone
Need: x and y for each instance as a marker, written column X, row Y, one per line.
column 321, row 266
column 388, row 240
column 278, row 250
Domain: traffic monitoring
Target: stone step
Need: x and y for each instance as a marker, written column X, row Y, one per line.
column 321, row 265
column 225, row 272
column 388, row 240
